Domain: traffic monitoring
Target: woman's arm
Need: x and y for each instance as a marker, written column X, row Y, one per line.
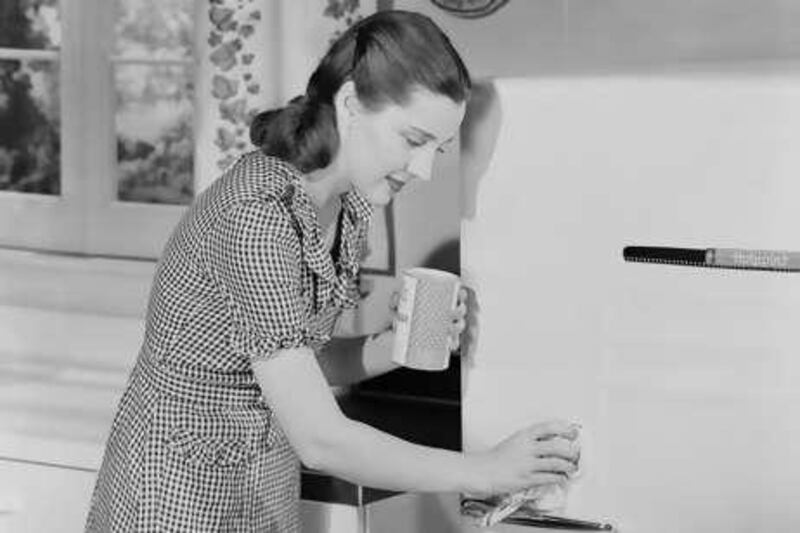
column 349, row 360
column 324, row 438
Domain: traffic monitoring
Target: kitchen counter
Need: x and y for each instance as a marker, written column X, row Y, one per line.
column 58, row 413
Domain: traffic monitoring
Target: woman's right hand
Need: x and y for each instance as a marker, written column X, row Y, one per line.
column 542, row 454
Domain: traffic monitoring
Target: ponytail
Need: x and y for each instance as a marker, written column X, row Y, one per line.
column 303, row 133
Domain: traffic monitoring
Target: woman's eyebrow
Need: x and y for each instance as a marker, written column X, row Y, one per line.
column 426, row 134
column 429, row 136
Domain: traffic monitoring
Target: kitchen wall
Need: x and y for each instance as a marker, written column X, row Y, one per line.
column 532, row 37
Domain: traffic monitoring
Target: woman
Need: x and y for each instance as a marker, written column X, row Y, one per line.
column 231, row 388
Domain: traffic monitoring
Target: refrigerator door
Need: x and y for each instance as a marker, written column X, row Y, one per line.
column 685, row 379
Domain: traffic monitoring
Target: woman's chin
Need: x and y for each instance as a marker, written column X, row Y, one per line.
column 380, row 199
column 381, row 196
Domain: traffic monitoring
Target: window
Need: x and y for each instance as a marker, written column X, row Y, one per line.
column 29, row 100
column 96, row 130
column 153, row 72
column 115, row 113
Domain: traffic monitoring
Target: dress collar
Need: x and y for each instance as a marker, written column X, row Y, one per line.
column 357, row 206
column 337, row 280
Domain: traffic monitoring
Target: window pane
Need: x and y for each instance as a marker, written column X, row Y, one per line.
column 29, row 24
column 155, row 29
column 155, row 142
column 29, row 126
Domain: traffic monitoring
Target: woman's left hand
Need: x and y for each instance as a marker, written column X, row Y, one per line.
column 459, row 319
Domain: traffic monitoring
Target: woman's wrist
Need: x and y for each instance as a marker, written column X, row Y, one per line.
column 475, row 479
column 378, row 349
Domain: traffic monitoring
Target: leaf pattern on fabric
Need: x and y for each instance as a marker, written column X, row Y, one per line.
column 231, row 27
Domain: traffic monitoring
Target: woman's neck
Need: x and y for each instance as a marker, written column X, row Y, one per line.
column 325, row 187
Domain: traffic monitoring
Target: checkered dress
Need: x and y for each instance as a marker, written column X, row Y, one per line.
column 194, row 447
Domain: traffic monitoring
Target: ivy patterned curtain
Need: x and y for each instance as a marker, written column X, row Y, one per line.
column 254, row 55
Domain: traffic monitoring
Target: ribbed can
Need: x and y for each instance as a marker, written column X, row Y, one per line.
column 423, row 332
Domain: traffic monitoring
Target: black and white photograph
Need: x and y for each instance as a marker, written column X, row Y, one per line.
column 399, row 266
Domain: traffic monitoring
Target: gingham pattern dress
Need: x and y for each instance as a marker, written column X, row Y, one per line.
column 194, row 447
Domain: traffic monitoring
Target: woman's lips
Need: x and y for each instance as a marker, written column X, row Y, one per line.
column 395, row 183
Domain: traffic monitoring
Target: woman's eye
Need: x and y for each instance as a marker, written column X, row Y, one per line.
column 413, row 143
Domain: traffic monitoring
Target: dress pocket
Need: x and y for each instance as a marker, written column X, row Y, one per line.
column 207, row 461
column 220, row 438
column 209, row 452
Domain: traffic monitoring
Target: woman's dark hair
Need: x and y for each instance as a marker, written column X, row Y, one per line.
column 387, row 56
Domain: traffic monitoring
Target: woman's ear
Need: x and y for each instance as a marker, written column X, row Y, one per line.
column 347, row 105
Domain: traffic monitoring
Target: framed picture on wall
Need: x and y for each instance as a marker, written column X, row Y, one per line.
column 381, row 255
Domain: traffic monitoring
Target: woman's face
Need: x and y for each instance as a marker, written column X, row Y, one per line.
column 386, row 149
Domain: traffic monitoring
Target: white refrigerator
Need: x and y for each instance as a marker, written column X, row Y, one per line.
column 686, row 379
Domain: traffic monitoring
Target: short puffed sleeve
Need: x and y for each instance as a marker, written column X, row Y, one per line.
column 255, row 257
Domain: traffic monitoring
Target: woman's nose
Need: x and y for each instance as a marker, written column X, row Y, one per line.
column 421, row 166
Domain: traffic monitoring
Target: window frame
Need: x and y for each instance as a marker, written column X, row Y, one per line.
column 86, row 218
column 41, row 220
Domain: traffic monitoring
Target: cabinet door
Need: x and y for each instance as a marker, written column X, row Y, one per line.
column 43, row 499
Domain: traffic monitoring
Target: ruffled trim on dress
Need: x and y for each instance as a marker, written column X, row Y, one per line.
column 259, row 346
column 338, row 282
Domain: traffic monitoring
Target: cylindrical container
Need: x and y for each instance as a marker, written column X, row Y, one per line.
column 423, row 328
